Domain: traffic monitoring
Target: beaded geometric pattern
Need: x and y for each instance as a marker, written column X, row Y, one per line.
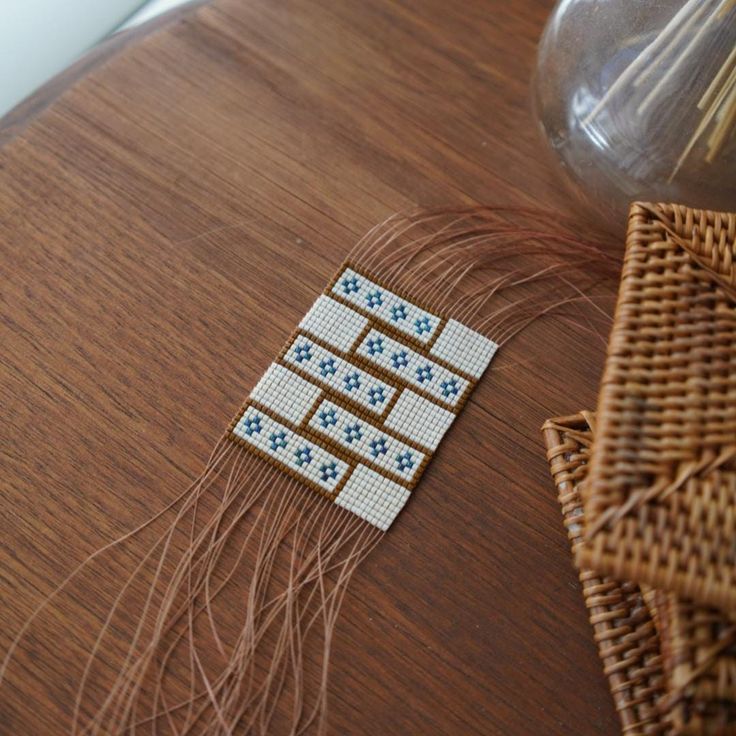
column 360, row 397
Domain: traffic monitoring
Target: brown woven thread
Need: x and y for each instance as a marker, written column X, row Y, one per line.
column 623, row 628
column 661, row 497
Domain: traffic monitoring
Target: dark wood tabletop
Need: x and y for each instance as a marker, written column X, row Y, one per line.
column 163, row 226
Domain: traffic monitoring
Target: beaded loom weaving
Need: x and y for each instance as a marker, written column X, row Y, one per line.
column 362, row 394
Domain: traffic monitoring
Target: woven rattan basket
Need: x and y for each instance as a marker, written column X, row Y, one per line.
column 660, row 499
column 678, row 677
column 624, row 632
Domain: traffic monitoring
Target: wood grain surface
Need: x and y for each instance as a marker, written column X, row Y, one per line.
column 164, row 225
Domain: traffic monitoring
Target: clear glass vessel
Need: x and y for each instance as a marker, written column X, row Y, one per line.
column 637, row 100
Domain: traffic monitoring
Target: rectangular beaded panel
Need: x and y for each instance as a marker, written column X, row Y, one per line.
column 362, row 394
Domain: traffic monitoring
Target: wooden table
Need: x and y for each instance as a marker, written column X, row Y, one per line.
column 165, row 223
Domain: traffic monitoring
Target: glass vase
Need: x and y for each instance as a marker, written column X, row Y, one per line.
column 637, row 101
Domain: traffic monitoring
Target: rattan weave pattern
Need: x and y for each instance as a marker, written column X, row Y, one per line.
column 708, row 237
column 661, row 495
column 624, row 632
column 677, row 678
column 698, row 646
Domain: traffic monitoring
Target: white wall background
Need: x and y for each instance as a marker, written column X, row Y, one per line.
column 150, row 10
column 40, row 38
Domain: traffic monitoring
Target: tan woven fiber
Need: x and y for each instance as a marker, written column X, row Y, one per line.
column 698, row 646
column 690, row 690
column 624, row 631
column 660, row 499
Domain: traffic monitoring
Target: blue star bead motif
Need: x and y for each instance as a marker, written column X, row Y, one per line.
column 376, row 395
column 398, row 313
column 350, row 284
column 424, row 374
column 303, row 456
column 449, row 388
column 303, row 352
column 278, row 440
column 374, row 299
column 353, row 433
column 422, row 325
column 327, row 418
column 352, row 381
column 252, row 425
column 374, row 346
column 328, row 472
column 405, row 461
column 400, row 360
column 327, row 367
column 379, row 447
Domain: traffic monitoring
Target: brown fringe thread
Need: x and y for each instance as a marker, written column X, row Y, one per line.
column 226, row 622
